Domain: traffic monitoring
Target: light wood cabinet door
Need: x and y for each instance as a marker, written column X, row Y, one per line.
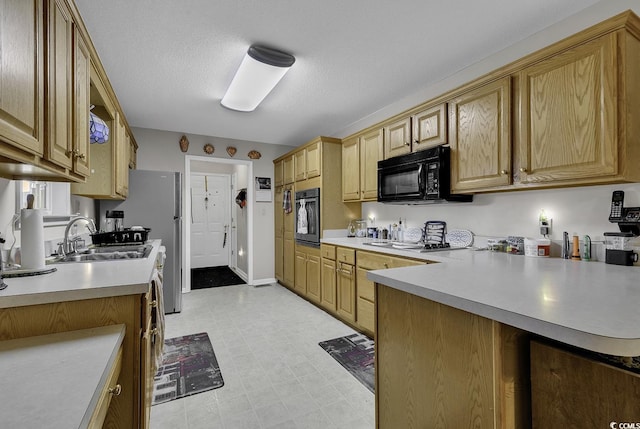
column 568, row 112
column 346, row 291
column 371, row 151
column 278, row 173
column 60, row 124
column 313, row 160
column 300, row 163
column 351, row 169
column 278, row 217
column 288, row 166
column 300, row 284
column 429, row 127
column 480, row 137
column 288, row 250
column 397, row 138
column 314, row 269
column 22, row 77
column 82, row 73
column 565, row 385
column 328, row 292
column 121, row 158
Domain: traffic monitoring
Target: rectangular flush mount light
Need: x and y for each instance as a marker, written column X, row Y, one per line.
column 260, row 71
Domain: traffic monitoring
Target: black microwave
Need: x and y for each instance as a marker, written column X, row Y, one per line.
column 418, row 178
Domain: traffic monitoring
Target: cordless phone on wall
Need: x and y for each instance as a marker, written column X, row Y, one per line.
column 617, row 202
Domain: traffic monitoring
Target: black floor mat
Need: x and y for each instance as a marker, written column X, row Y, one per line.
column 202, row 278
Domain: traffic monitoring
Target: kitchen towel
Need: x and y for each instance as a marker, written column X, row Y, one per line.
column 31, row 239
column 158, row 317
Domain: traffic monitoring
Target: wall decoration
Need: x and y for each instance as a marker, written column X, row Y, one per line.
column 231, row 151
column 263, row 189
column 184, row 143
column 254, row 154
column 208, row 148
column 241, row 198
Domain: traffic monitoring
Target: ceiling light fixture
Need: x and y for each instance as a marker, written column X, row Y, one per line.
column 260, row 71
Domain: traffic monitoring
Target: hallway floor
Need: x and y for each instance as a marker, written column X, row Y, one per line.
column 276, row 375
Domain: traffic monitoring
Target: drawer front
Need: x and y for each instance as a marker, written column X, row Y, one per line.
column 365, row 315
column 100, row 413
column 328, row 251
column 348, row 256
column 374, row 261
column 402, row 262
column 364, row 286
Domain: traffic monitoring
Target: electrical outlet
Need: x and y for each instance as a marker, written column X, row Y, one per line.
column 545, row 226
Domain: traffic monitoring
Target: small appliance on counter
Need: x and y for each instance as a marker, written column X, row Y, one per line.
column 617, row 244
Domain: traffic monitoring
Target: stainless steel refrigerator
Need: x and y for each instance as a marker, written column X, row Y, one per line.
column 155, row 201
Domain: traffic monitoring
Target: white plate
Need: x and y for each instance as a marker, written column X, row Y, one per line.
column 413, row 234
column 459, row 238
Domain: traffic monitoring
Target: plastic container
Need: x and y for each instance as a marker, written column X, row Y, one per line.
column 618, row 240
column 537, row 247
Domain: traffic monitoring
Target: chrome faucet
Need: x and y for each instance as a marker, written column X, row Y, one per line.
column 68, row 246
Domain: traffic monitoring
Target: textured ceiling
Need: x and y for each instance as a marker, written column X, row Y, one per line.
column 170, row 61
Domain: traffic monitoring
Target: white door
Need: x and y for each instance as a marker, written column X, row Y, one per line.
column 210, row 220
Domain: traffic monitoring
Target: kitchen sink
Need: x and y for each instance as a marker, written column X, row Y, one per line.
column 105, row 253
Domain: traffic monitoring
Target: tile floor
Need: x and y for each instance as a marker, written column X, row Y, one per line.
column 275, row 373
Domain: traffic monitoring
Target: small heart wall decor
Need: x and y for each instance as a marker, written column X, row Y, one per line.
column 231, row 151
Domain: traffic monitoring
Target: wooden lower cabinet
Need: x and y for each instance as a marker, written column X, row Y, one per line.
column 346, row 291
column 569, row 390
column 328, row 278
column 127, row 410
column 439, row 367
column 307, row 272
column 365, row 288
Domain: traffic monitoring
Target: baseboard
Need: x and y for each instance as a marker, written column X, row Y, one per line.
column 264, row 282
column 240, row 273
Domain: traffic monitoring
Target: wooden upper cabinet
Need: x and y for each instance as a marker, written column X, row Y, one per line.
column 22, row 77
column 82, row 74
column 429, row 127
column 288, row 166
column 397, row 138
column 278, row 173
column 480, row 137
column 59, row 141
column 351, row 174
column 314, row 160
column 569, row 116
column 371, row 151
column 300, row 163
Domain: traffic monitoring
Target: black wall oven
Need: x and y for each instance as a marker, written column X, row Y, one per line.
column 417, row 178
column 307, row 211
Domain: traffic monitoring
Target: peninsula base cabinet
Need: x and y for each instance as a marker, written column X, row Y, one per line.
column 440, row 367
column 569, row 390
column 130, row 409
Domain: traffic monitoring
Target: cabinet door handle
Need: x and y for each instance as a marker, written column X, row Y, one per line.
column 153, row 303
column 523, row 170
column 386, row 265
column 416, row 141
column 407, row 143
column 503, row 172
column 81, row 155
column 116, row 391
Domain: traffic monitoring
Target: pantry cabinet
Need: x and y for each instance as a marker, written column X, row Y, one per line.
column 278, row 225
column 360, row 156
column 480, row 137
column 568, row 113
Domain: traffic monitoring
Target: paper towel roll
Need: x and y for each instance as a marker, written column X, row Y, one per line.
column 31, row 239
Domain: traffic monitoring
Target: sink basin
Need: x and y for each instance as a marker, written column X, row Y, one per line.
column 106, row 253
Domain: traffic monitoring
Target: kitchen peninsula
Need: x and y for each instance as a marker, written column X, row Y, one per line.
column 91, row 295
column 453, row 339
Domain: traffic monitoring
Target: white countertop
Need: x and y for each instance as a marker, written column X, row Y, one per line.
column 592, row 305
column 55, row 380
column 81, row 280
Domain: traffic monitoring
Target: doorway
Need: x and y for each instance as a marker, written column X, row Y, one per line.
column 210, row 220
column 239, row 240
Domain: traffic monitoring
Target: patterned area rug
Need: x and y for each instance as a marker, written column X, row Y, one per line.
column 189, row 366
column 355, row 353
column 202, row 278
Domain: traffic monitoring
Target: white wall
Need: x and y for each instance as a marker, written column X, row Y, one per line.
column 159, row 150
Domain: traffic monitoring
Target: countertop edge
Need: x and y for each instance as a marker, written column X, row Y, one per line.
column 585, row 340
